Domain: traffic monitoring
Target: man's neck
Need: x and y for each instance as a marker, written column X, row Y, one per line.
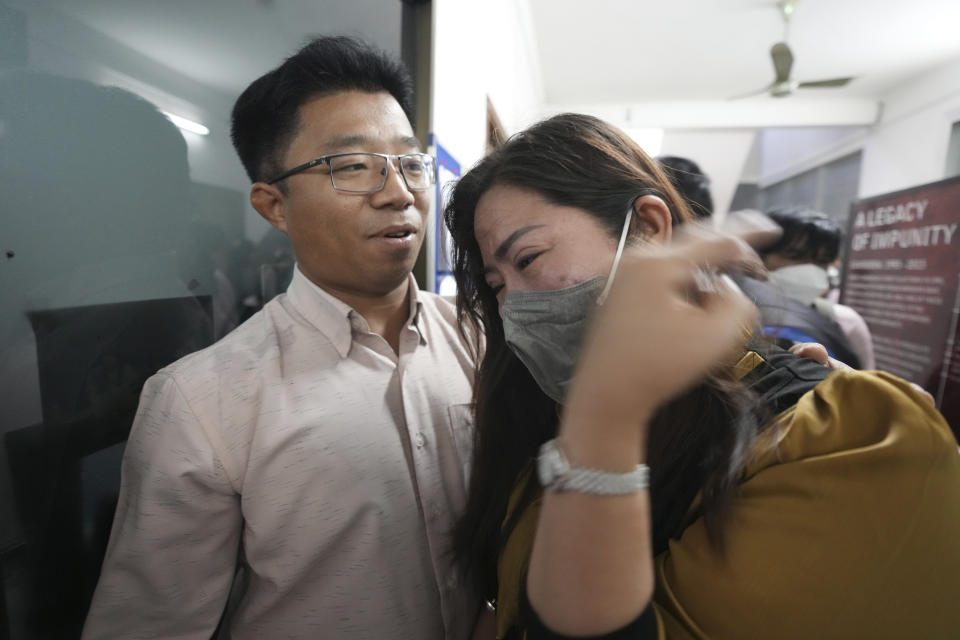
column 386, row 314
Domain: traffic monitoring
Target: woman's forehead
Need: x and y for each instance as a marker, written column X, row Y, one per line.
column 509, row 201
column 502, row 209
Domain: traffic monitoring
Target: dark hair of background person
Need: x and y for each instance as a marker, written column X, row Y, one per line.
column 691, row 182
column 265, row 116
column 697, row 442
column 808, row 236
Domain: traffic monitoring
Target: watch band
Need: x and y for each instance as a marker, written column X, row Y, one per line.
column 557, row 474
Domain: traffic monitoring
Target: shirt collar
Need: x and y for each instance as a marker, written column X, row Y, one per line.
column 338, row 320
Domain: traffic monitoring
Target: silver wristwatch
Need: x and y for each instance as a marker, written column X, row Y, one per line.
column 557, row 474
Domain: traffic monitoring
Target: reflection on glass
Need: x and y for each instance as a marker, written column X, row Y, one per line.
column 114, row 265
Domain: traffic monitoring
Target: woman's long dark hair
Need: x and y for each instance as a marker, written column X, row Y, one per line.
column 697, row 442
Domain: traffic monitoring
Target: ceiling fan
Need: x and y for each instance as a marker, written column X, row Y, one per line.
column 783, row 85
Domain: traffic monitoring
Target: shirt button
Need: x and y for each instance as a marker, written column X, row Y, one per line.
column 420, row 440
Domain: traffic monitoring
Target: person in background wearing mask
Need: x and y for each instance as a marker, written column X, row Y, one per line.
column 694, row 186
column 785, row 500
column 799, row 264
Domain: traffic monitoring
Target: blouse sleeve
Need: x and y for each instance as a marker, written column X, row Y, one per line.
column 845, row 526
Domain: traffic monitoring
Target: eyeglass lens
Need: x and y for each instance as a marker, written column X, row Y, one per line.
column 361, row 172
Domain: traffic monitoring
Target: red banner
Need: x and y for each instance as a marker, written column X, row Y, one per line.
column 902, row 274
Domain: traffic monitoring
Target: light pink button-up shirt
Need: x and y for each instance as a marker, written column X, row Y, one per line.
column 335, row 465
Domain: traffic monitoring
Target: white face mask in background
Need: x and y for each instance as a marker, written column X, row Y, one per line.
column 805, row 282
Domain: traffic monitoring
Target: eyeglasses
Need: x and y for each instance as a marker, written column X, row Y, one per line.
column 367, row 172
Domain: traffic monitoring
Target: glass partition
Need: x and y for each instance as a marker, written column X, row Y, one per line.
column 126, row 242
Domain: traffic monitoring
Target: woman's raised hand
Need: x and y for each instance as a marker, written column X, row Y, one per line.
column 670, row 317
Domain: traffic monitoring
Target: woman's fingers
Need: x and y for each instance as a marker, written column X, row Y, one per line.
column 713, row 251
column 812, row 350
column 753, row 227
column 816, row 351
column 671, row 316
column 923, row 392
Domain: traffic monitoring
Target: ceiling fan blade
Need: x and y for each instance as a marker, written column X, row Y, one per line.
column 782, row 61
column 819, row 84
column 752, row 93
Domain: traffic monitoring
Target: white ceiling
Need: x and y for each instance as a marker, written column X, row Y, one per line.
column 616, row 52
column 633, row 51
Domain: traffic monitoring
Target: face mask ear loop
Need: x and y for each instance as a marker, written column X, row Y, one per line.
column 616, row 259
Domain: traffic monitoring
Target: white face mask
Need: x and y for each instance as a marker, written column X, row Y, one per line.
column 545, row 328
column 805, row 282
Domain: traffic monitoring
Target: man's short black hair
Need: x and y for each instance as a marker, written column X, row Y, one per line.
column 691, row 182
column 265, row 116
column 809, row 236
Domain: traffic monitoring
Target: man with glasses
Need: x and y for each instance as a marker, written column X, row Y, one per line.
column 324, row 442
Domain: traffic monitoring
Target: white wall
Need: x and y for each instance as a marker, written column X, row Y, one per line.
column 458, row 95
column 487, row 49
column 909, row 145
column 753, row 166
column 786, row 152
column 515, row 83
column 482, row 50
column 722, row 155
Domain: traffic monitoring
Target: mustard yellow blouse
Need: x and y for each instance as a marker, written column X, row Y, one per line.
column 847, row 526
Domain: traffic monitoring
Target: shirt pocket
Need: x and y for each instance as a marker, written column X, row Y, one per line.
column 461, row 417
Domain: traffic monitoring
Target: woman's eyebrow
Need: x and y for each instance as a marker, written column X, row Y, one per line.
column 513, row 237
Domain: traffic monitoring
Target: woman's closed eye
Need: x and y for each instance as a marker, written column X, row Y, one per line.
column 521, row 263
column 524, row 262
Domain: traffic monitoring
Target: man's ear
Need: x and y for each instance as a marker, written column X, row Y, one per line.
column 270, row 203
column 653, row 214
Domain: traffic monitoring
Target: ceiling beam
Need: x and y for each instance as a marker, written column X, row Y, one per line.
column 794, row 111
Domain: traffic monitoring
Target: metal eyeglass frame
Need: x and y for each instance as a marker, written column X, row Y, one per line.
column 426, row 157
